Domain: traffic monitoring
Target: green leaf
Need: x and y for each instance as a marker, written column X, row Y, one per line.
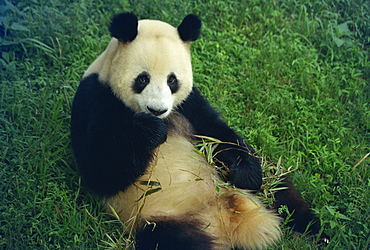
column 7, row 6
column 343, row 29
column 5, row 55
column 339, row 42
column 152, row 191
column 343, row 217
column 149, row 192
column 333, row 224
column 17, row 26
column 150, row 183
column 330, row 210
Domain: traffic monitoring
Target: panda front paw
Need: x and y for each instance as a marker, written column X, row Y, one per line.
column 243, row 168
column 245, row 176
column 152, row 128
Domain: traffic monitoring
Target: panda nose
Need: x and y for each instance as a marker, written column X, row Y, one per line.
column 156, row 112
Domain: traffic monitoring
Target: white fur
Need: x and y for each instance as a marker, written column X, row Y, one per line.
column 186, row 185
column 157, row 50
column 188, row 189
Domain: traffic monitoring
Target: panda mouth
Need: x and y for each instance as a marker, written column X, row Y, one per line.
column 156, row 112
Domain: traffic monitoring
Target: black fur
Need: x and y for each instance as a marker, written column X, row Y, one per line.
column 245, row 167
column 169, row 234
column 190, row 28
column 173, row 83
column 112, row 145
column 124, row 27
column 300, row 211
column 141, row 82
column 302, row 219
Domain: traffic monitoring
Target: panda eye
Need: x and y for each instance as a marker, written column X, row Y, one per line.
column 140, row 82
column 143, row 79
column 173, row 83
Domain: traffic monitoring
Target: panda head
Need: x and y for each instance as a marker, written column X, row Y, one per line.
column 148, row 64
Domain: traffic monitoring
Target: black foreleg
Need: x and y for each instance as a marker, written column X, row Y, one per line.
column 244, row 167
column 112, row 145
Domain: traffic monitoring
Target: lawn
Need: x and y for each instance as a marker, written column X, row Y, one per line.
column 292, row 77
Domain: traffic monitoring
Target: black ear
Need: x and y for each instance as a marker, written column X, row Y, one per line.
column 124, row 27
column 190, row 28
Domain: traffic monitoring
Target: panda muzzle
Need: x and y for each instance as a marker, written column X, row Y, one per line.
column 156, row 112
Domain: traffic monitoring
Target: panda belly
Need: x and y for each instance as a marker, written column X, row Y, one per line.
column 181, row 185
column 179, row 182
column 186, row 181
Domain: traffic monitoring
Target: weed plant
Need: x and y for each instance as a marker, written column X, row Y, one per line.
column 291, row 76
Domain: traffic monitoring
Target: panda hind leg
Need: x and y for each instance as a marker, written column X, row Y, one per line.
column 165, row 233
column 302, row 218
column 249, row 223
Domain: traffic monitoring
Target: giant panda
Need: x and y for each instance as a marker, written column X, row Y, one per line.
column 134, row 117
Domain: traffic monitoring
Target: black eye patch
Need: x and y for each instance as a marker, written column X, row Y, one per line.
column 173, row 83
column 141, row 82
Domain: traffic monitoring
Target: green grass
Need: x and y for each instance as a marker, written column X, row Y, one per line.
column 292, row 77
